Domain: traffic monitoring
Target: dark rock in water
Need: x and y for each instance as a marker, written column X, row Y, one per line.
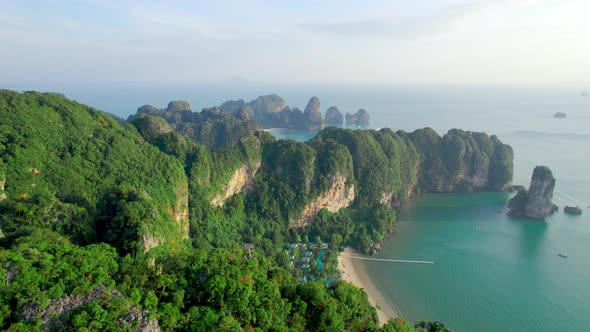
column 572, row 210
column 560, row 115
column 536, row 202
column 313, row 115
column 334, row 117
column 361, row 117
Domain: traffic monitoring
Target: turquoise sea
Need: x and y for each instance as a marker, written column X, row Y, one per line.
column 491, row 272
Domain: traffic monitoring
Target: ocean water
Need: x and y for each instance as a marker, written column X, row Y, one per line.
column 491, row 272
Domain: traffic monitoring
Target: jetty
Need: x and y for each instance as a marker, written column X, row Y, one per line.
column 390, row 260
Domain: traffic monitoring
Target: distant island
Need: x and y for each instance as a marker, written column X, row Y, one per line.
column 271, row 111
column 176, row 219
column 560, row 115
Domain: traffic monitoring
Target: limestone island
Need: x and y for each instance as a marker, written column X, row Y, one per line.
column 560, row 115
column 535, row 203
column 271, row 111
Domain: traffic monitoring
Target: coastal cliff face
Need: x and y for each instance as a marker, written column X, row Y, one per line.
column 339, row 195
column 539, row 203
column 241, row 181
column 535, row 203
column 462, row 161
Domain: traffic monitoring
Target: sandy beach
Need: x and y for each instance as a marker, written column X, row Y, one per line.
column 353, row 272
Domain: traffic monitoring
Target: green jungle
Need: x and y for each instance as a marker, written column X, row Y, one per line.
column 185, row 221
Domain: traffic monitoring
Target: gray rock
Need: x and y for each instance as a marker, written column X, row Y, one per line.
column 572, row 210
column 313, row 115
column 535, row 203
column 334, row 117
column 361, row 117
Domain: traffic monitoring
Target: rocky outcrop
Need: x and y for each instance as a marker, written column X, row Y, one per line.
column 560, row 115
column 232, row 106
column 178, row 105
column 54, row 316
column 360, row 118
column 267, row 104
column 241, row 181
column 389, row 199
column 149, row 242
column 535, row 203
column 334, row 117
column 313, row 115
column 572, row 210
column 338, row 196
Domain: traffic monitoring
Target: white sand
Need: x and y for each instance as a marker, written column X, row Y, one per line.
column 354, row 272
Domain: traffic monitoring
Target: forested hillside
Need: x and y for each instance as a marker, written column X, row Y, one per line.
column 176, row 221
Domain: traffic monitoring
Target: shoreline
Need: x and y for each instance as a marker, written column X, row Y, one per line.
column 355, row 273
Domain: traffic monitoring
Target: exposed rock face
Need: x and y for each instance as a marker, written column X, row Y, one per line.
column 560, row 115
column 54, row 316
column 2, row 183
column 180, row 211
column 149, row 241
column 361, row 117
column 335, row 198
column 334, row 117
column 389, row 199
column 536, row 202
column 178, row 105
column 241, row 181
column 313, row 115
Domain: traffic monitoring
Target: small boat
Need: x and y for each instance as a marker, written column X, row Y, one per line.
column 562, row 255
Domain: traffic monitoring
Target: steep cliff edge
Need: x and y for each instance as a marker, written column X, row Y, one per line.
column 535, row 203
column 241, row 181
column 339, row 195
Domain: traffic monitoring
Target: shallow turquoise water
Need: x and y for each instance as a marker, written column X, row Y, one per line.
column 491, row 272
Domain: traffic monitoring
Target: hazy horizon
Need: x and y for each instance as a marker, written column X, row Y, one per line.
column 494, row 42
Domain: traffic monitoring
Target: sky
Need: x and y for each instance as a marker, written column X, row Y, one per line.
column 369, row 41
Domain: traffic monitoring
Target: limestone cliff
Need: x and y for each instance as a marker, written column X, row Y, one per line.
column 313, row 115
column 535, row 203
column 337, row 196
column 180, row 211
column 241, row 181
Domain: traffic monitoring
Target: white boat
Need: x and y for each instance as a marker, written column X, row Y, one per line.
column 562, row 255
